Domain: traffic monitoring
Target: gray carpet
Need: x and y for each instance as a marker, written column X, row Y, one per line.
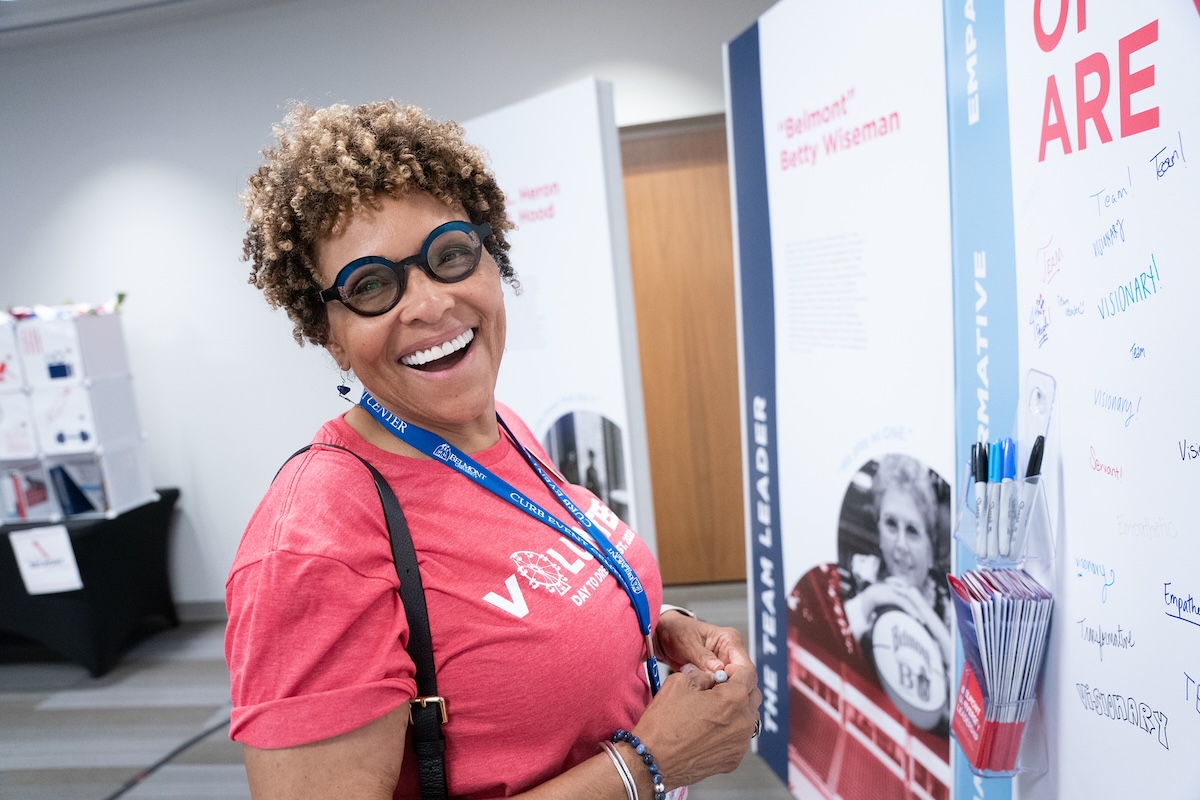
column 67, row 736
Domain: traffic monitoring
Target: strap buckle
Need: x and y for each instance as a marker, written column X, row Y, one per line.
column 425, row 701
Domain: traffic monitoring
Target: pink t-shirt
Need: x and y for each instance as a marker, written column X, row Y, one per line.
column 537, row 648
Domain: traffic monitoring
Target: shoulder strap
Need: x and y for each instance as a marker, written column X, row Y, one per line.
column 427, row 711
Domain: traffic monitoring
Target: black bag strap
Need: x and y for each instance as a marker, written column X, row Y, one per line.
column 426, row 711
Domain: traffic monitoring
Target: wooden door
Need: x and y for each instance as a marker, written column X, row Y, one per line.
column 676, row 178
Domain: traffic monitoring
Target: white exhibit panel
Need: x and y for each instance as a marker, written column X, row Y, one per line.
column 1104, row 117
column 854, row 149
column 571, row 366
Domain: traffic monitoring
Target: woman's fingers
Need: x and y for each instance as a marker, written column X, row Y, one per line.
column 698, row 679
column 697, row 727
column 685, row 640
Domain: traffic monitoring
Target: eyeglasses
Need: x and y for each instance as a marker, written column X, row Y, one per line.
column 372, row 285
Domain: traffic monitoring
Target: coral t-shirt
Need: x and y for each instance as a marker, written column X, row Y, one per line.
column 537, row 647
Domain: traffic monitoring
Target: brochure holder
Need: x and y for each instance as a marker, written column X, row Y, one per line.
column 1003, row 738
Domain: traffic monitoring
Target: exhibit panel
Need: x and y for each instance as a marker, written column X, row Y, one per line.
column 1103, row 116
column 854, row 166
column 557, row 158
column 1066, row 252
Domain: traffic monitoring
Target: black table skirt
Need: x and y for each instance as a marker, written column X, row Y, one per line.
column 126, row 587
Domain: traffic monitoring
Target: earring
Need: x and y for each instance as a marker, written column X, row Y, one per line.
column 343, row 389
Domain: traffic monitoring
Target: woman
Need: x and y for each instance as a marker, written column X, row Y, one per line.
column 911, row 533
column 868, row 638
column 383, row 235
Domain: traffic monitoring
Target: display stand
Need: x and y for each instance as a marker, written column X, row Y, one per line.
column 126, row 588
column 70, row 438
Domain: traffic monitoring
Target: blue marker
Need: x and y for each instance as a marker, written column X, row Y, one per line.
column 995, row 467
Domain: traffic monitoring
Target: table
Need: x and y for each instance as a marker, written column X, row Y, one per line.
column 126, row 586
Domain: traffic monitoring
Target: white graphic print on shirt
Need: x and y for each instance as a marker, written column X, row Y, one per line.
column 541, row 571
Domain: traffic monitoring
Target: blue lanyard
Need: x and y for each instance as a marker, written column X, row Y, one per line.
column 439, row 449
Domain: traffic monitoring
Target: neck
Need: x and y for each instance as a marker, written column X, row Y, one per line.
column 470, row 437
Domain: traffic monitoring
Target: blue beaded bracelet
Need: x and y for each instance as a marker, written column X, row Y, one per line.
column 660, row 791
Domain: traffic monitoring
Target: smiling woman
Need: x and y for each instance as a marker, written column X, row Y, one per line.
column 382, row 234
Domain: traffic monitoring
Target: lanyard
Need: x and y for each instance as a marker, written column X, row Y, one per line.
column 439, row 449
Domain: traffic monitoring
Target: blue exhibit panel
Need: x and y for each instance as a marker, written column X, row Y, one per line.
column 765, row 567
column 985, row 303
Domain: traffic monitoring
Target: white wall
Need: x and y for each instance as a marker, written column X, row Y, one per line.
column 124, row 145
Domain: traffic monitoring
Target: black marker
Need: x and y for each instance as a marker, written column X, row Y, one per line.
column 979, row 470
column 1028, row 492
column 1035, row 457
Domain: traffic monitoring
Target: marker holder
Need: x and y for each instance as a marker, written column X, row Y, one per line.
column 1032, row 538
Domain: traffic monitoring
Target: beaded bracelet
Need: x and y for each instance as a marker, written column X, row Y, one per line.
column 660, row 792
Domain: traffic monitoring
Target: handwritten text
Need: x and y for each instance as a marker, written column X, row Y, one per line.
column 1118, row 707
column 1181, row 608
column 1165, row 158
column 1121, row 405
column 1144, row 285
column 1039, row 318
column 1095, row 634
column 1050, row 257
column 1109, row 576
column 1147, row 529
column 1099, row 466
column 1113, row 235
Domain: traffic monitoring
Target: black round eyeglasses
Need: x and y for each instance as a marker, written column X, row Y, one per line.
column 372, row 285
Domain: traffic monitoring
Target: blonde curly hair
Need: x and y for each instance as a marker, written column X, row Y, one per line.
column 334, row 162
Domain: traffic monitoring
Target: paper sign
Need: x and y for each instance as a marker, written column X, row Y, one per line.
column 46, row 560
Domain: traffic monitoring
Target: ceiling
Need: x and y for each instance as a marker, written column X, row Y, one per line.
column 46, row 20
column 23, row 14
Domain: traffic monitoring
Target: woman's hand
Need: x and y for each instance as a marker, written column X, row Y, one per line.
column 680, row 640
column 696, row 727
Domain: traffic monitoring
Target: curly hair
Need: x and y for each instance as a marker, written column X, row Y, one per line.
column 332, row 163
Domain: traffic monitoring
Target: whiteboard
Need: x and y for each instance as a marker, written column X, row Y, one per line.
column 1104, row 115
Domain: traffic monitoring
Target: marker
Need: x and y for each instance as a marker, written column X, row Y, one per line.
column 1008, row 495
column 979, row 473
column 1028, row 492
column 995, row 464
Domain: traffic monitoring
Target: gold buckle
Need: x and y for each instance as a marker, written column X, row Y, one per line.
column 425, row 701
